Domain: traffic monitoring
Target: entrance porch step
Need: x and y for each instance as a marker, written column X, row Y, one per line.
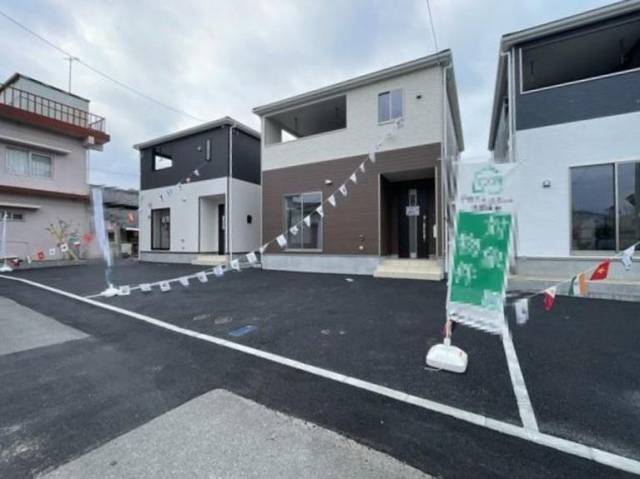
column 424, row 269
column 209, row 260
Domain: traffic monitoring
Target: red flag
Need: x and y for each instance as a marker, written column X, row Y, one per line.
column 549, row 297
column 601, row 272
column 40, row 255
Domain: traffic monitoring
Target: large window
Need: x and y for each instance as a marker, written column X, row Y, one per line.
column 25, row 163
column 160, row 228
column 604, row 206
column 161, row 161
column 389, row 106
column 296, row 208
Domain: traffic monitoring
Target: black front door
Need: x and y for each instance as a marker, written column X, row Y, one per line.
column 221, row 229
column 413, row 234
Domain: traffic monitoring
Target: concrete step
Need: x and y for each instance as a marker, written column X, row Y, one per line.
column 423, row 269
column 209, row 260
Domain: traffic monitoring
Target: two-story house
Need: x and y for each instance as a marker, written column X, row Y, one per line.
column 200, row 193
column 567, row 112
column 45, row 138
column 392, row 221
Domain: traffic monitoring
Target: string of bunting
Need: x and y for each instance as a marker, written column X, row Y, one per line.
column 578, row 283
column 251, row 258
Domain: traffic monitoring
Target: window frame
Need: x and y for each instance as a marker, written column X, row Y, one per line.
column 402, row 105
column 152, row 229
column 301, row 249
column 29, row 167
column 616, row 206
column 11, row 214
column 165, row 156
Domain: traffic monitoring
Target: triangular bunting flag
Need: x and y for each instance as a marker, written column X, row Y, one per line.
column 196, row 172
column 307, row 220
column 184, row 281
column 549, row 297
column 293, row 230
column 332, row 200
column 522, row 310
column 354, row 178
column 601, row 272
column 320, row 209
column 263, row 248
column 578, row 285
column 627, row 257
column 282, row 241
column 235, row 264
column 343, row 190
column 145, row 287
column 362, row 166
column 372, row 156
column 202, row 277
column 252, row 258
column 165, row 286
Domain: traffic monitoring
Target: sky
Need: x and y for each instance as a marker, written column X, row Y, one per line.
column 215, row 58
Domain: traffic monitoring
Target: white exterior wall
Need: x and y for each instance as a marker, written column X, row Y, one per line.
column 422, row 125
column 245, row 200
column 185, row 215
column 45, row 91
column 544, row 214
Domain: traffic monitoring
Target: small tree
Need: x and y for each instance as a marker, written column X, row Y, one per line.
column 63, row 234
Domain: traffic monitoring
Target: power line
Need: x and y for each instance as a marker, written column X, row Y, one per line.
column 98, row 72
column 433, row 28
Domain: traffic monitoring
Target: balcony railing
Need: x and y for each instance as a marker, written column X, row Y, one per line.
column 26, row 101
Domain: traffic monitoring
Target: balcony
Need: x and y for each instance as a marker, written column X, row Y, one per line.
column 31, row 109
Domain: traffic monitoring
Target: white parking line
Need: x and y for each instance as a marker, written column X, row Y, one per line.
column 533, row 435
column 527, row 416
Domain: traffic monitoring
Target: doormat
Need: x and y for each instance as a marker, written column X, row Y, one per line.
column 242, row 331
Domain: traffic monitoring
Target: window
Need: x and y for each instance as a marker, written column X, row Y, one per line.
column 389, row 106
column 41, row 165
column 17, row 162
column 161, row 161
column 160, row 228
column 604, row 218
column 12, row 215
column 25, row 163
column 296, row 208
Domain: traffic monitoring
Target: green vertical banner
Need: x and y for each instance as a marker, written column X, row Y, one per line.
column 481, row 248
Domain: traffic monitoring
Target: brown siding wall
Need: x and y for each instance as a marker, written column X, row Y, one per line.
column 355, row 220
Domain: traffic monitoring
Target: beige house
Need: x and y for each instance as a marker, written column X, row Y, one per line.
column 45, row 138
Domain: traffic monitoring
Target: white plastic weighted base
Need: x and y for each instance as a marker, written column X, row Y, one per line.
column 110, row 292
column 447, row 357
column 5, row 268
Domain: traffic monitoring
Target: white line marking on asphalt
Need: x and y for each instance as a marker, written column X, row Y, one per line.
column 553, row 442
column 527, row 416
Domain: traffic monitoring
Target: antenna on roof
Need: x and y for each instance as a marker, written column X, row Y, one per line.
column 70, row 59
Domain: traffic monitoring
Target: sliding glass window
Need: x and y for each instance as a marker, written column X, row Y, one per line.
column 604, row 206
column 296, row 208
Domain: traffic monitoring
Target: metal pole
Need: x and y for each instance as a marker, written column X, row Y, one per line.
column 229, row 182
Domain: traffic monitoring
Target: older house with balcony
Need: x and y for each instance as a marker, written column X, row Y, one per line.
column 394, row 221
column 567, row 112
column 45, row 136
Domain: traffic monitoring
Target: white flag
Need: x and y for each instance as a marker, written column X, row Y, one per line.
column 64, row 247
column 28, row 259
column 235, row 264
column 165, row 286
column 627, row 257
column 145, row 287
column 372, row 156
column 52, row 251
column 218, row 271
column 320, row 210
column 307, row 220
column 124, row 290
column 196, row 172
column 202, row 277
column 184, row 281
column 252, row 258
column 293, row 230
column 354, row 178
column 362, row 167
column 522, row 310
column 332, row 200
column 263, row 248
column 282, row 241
column 343, row 190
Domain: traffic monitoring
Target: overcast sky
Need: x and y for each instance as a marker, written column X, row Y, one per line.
column 215, row 58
